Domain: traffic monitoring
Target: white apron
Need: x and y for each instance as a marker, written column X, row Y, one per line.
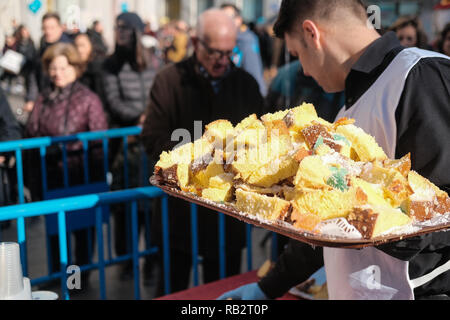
column 370, row 273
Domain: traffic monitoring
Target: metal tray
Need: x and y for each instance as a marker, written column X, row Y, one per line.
column 281, row 227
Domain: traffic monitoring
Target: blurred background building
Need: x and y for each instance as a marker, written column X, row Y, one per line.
column 157, row 12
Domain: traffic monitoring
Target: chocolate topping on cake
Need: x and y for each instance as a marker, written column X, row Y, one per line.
column 364, row 221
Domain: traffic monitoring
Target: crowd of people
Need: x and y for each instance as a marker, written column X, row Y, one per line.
column 166, row 80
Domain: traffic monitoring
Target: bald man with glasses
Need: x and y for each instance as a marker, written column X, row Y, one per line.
column 205, row 87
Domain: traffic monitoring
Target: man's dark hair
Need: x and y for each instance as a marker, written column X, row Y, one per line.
column 52, row 15
column 294, row 12
column 237, row 11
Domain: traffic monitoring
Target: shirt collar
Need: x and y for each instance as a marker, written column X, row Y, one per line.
column 376, row 53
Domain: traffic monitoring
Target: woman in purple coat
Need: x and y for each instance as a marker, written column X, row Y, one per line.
column 67, row 107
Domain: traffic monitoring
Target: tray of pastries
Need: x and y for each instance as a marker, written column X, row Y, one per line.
column 291, row 172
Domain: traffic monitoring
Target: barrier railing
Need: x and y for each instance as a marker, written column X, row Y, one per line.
column 19, row 146
column 97, row 201
column 62, row 206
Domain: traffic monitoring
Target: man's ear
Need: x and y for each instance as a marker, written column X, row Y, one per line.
column 311, row 34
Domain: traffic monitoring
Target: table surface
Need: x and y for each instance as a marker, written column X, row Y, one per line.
column 212, row 291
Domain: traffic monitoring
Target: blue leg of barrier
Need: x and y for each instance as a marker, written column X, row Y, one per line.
column 135, row 248
column 63, row 253
column 274, row 247
column 249, row 247
column 109, row 240
column 194, row 237
column 43, row 152
column 166, row 243
column 105, row 158
column 86, row 161
column 21, row 234
column 89, row 236
column 101, row 257
column 222, row 254
column 125, row 162
column 69, row 248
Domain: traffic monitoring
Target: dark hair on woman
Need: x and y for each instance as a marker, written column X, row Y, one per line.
column 97, row 52
column 141, row 57
column 442, row 37
column 405, row 21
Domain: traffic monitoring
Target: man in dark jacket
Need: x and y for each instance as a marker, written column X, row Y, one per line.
column 9, row 130
column 206, row 87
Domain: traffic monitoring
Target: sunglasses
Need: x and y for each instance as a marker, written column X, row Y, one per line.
column 215, row 53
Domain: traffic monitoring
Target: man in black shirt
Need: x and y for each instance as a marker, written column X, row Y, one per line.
column 401, row 96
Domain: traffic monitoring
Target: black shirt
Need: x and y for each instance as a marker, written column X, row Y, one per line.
column 423, row 128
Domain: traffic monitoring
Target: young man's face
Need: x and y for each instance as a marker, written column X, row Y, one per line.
column 313, row 59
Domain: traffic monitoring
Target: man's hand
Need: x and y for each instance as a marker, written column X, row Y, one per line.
column 248, row 292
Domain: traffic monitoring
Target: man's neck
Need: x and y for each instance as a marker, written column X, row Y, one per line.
column 355, row 46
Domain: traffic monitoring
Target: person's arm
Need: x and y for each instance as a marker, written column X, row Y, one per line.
column 252, row 62
column 297, row 263
column 32, row 126
column 423, row 124
column 9, row 127
column 97, row 117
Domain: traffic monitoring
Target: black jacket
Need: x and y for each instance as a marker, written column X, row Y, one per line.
column 180, row 96
column 9, row 130
column 125, row 91
column 423, row 118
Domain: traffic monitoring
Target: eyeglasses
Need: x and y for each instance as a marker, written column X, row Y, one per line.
column 215, row 53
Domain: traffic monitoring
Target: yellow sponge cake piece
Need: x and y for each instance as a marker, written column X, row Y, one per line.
column 219, row 133
column 312, row 173
column 372, row 223
column 329, row 204
column 300, row 117
column 420, row 185
column 220, row 188
column 270, row 208
column 274, row 116
column 173, row 167
column 217, row 195
column 364, row 144
column 393, row 183
column 274, row 172
column 201, row 178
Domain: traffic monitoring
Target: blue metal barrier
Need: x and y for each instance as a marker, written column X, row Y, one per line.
column 61, row 206
column 42, row 144
column 98, row 202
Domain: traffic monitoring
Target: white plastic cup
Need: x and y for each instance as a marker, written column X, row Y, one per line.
column 11, row 276
column 44, row 295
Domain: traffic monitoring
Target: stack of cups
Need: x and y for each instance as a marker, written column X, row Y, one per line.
column 13, row 286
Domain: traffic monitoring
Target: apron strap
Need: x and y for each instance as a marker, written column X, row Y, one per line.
column 430, row 276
